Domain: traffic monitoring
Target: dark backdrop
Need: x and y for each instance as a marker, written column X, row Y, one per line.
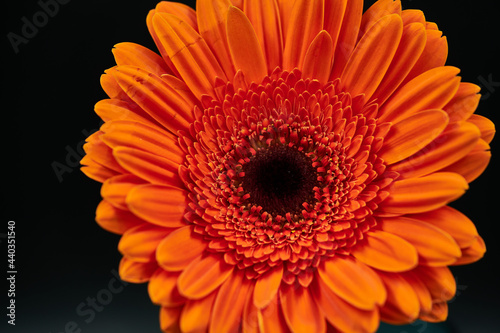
column 63, row 259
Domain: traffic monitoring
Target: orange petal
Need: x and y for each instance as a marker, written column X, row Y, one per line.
column 136, row 272
column 179, row 248
column 453, row 144
column 372, row 56
column 430, row 90
column 347, row 37
column 139, row 56
column 188, row 51
column 300, row 310
column 423, row 294
column 202, row 276
column 305, row 22
column 340, row 313
column 115, row 220
column 266, row 287
column 169, row 319
column 142, row 136
column 486, row 126
column 272, row 318
column 376, row 11
column 182, row 11
column 195, row 316
column 161, row 205
column 410, row 135
column 318, row 59
column 229, row 303
column 402, row 305
column 95, row 171
column 115, row 189
column 334, row 15
column 434, row 55
column 418, row 195
column 353, row 281
column 163, row 290
column 472, row 165
column 438, row 314
column 265, row 18
column 101, row 154
column 152, row 168
column 244, row 46
column 111, row 87
column 410, row 16
column 439, row 281
column 386, row 252
column 453, row 222
column 156, row 97
column 140, row 243
column 114, row 109
column 472, row 253
column 464, row 103
column 409, row 49
column 212, row 26
column 434, row 246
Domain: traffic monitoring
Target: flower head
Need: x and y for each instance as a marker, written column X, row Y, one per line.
column 287, row 165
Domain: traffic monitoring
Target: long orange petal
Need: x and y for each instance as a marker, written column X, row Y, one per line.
column 486, row 127
column 386, row 252
column 140, row 243
column 244, row 46
column 189, row 52
column 347, row 37
column 141, row 136
column 160, row 205
column 454, row 143
column 179, row 248
column 162, row 288
column 472, row 253
column 202, row 276
column 372, row 56
column 472, row 165
column 453, row 222
column 434, row 54
column 434, row 246
column 182, row 11
column 418, row 195
column 169, row 319
column 115, row 109
column 318, row 59
column 195, row 316
column 334, row 15
column 402, row 305
column 353, row 281
column 266, row 287
column 423, row 294
column 376, row 11
column 136, row 272
column 272, row 318
column 115, row 189
column 152, row 168
column 95, row 170
column 438, row 313
column 212, row 25
column 410, row 47
column 439, row 281
column 431, row 90
column 115, row 220
column 340, row 313
column 156, row 97
column 265, row 18
column 407, row 137
column 229, row 303
column 464, row 103
column 306, row 21
column 139, row 56
column 301, row 311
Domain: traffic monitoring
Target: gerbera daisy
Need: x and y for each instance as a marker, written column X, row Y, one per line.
column 286, row 165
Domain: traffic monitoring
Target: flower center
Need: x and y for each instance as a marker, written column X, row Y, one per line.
column 279, row 179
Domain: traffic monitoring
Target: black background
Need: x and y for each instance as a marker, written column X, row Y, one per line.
column 48, row 92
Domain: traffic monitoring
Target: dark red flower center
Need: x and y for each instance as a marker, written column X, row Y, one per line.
column 279, row 179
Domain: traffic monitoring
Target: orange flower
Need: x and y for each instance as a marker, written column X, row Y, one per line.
column 286, row 165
